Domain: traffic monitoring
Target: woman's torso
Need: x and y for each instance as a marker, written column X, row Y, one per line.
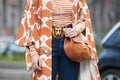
column 62, row 12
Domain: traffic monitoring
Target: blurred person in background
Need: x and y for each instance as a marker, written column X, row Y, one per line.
column 44, row 50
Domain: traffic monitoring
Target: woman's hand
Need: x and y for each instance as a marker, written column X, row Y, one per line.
column 70, row 32
column 36, row 62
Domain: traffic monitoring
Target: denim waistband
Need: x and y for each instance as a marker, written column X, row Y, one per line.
column 57, row 43
column 57, row 46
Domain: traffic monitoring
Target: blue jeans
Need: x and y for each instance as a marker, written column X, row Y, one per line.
column 61, row 64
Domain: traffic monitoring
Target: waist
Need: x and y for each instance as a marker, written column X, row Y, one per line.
column 61, row 19
column 57, row 31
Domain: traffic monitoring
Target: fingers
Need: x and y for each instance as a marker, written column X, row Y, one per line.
column 40, row 63
column 37, row 64
column 67, row 32
column 34, row 66
column 70, row 32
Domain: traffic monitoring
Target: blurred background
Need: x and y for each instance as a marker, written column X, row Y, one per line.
column 104, row 15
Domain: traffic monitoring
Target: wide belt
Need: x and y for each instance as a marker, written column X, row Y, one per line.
column 57, row 31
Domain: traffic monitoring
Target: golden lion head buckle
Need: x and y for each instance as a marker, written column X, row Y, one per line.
column 57, row 32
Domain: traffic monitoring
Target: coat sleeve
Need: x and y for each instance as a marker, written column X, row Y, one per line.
column 88, row 67
column 84, row 19
column 28, row 29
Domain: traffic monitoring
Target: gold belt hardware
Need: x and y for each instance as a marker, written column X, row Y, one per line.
column 57, row 31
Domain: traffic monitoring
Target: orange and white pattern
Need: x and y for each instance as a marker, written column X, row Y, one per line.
column 36, row 25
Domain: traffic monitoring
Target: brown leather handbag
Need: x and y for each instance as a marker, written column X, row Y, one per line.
column 76, row 51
